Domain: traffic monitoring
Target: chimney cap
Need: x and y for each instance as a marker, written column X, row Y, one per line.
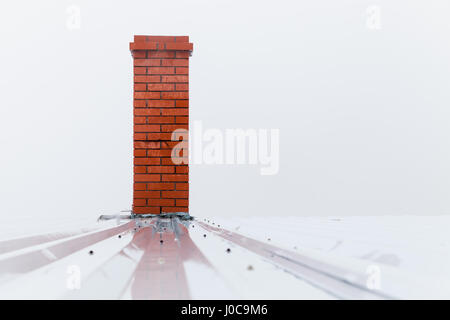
column 178, row 43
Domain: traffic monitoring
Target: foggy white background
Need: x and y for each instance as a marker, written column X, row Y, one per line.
column 363, row 114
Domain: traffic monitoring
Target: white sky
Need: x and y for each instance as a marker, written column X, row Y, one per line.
column 363, row 114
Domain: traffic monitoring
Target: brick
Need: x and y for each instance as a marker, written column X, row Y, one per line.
column 143, row 46
column 139, row 186
column 158, row 153
column 175, row 194
column 169, row 144
column 159, row 136
column 140, row 169
column 140, row 153
column 161, row 54
column 146, row 161
column 146, row 62
column 175, row 62
column 140, row 202
column 161, row 70
column 139, row 54
column 140, row 120
column 147, row 145
column 182, row 54
column 181, row 120
column 140, row 136
column 181, row 70
column 182, row 103
column 147, row 95
column 182, row 186
column 182, row 87
column 174, row 95
column 161, row 202
column 174, row 78
column 154, row 38
column 161, row 104
column 139, row 104
column 146, row 177
column 172, row 127
column 161, row 169
column 182, row 39
column 182, row 202
column 175, row 177
column 174, row 209
column 147, row 210
column 182, row 169
column 140, row 87
column 146, row 128
column 179, row 46
column 161, row 38
column 168, row 161
column 161, row 186
column 140, row 70
column 160, row 86
column 146, row 112
column 175, row 112
column 161, row 120
column 147, row 194
column 147, row 78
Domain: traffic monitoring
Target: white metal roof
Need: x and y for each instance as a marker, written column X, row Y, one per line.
column 250, row 258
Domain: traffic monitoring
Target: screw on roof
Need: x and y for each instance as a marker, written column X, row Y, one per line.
column 91, row 252
column 228, row 250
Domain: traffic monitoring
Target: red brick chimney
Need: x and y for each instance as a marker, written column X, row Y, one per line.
column 161, row 101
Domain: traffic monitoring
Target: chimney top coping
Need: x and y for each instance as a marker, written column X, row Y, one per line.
column 179, row 43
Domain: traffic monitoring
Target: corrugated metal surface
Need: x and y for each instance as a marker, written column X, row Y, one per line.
column 254, row 258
